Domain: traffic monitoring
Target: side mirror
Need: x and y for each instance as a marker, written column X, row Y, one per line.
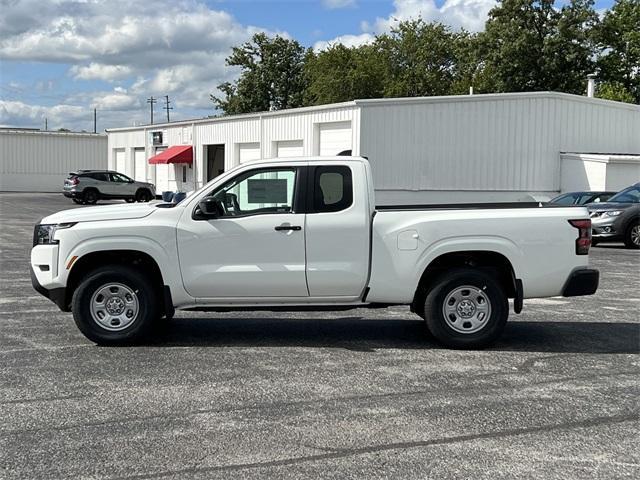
column 130, row 180
column 211, row 207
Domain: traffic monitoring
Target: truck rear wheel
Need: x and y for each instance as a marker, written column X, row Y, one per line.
column 466, row 308
column 115, row 305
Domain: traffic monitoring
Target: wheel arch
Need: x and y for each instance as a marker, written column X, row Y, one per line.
column 489, row 261
column 126, row 257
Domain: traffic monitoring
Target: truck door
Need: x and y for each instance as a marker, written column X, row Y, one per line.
column 255, row 248
column 337, row 231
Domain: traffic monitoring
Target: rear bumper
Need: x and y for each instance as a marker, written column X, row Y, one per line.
column 581, row 282
column 70, row 194
column 56, row 295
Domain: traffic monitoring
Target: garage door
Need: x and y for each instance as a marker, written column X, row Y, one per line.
column 248, row 152
column 289, row 148
column 120, row 161
column 335, row 138
column 139, row 165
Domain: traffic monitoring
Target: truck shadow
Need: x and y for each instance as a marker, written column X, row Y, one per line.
column 360, row 334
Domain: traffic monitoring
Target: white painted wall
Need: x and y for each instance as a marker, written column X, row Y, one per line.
column 486, row 147
column 502, row 147
column 40, row 161
column 587, row 171
column 267, row 130
column 621, row 175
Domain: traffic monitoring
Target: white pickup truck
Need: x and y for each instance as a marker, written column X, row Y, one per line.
column 306, row 234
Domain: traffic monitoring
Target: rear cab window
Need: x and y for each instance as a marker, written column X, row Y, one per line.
column 332, row 188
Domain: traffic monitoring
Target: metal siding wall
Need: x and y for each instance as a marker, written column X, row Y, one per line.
column 40, row 161
column 497, row 144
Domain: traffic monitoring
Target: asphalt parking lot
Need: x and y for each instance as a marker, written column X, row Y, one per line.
column 358, row 394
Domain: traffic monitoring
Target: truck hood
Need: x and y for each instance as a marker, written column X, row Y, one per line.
column 101, row 212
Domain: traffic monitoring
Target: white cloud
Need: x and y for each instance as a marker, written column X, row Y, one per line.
column 99, row 71
column 346, row 40
column 175, row 48
column 334, row 4
column 16, row 113
column 468, row 14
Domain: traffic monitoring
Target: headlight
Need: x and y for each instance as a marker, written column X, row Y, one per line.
column 613, row 213
column 43, row 234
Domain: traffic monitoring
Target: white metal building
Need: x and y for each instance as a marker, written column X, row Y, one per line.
column 428, row 149
column 39, row 161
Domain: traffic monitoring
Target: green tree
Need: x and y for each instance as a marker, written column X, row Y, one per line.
column 420, row 58
column 340, row 74
column 532, row 46
column 271, row 76
column 614, row 91
column 471, row 69
column 618, row 38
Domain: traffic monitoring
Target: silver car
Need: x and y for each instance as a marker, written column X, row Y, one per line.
column 89, row 186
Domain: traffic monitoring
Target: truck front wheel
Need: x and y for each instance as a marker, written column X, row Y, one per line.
column 466, row 308
column 115, row 305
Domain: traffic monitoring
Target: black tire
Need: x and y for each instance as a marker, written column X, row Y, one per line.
column 90, row 196
column 130, row 200
column 146, row 296
column 632, row 235
column 143, row 195
column 488, row 290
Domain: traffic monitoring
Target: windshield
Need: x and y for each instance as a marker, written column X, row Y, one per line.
column 628, row 195
column 566, row 199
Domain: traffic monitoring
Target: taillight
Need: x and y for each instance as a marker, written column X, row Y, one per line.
column 583, row 242
column 75, row 181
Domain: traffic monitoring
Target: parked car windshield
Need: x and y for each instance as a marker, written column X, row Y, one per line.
column 566, row 199
column 628, row 195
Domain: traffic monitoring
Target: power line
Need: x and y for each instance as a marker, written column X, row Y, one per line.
column 167, row 107
column 151, row 101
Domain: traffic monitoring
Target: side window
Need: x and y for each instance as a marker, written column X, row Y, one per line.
column 116, row 177
column 332, row 189
column 586, row 198
column 258, row 192
column 102, row 177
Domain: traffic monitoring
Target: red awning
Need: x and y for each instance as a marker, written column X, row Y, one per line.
column 177, row 154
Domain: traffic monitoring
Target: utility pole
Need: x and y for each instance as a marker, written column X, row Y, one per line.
column 167, row 107
column 151, row 101
column 46, row 125
column 95, row 121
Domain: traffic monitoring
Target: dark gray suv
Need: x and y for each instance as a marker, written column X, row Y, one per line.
column 618, row 219
column 89, row 186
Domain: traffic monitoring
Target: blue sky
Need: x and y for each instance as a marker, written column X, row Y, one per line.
column 62, row 58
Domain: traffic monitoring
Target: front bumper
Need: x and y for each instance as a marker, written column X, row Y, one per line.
column 605, row 228
column 56, row 295
column 581, row 282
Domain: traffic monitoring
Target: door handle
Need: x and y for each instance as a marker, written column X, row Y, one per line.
column 280, row 228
